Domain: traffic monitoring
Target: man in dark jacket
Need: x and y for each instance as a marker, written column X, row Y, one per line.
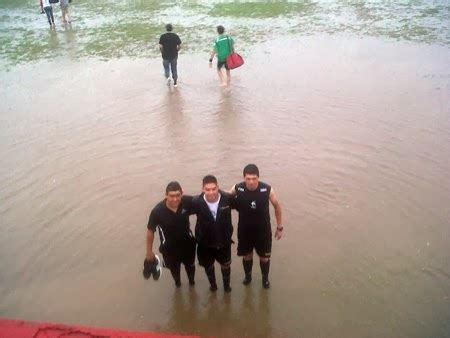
column 213, row 230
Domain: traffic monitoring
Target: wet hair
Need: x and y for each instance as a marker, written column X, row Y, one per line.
column 169, row 27
column 251, row 169
column 220, row 29
column 209, row 179
column 173, row 186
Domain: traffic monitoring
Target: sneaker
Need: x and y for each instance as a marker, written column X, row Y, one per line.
column 168, row 81
column 175, row 85
column 156, row 270
column 266, row 283
column 247, row 280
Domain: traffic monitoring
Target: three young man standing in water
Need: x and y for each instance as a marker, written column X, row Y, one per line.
column 213, row 230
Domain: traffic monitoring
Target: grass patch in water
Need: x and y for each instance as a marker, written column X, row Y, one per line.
column 260, row 10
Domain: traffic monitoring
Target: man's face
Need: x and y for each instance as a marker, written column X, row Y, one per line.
column 211, row 191
column 174, row 199
column 251, row 181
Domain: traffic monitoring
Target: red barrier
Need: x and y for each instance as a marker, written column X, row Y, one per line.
column 23, row 329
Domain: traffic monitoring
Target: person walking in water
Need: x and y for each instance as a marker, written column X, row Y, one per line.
column 170, row 44
column 64, row 4
column 223, row 46
column 46, row 7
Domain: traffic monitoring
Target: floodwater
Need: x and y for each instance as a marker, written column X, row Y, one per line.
column 351, row 129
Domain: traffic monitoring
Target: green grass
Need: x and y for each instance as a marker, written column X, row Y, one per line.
column 260, row 9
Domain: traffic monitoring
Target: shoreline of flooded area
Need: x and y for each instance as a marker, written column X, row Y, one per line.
column 111, row 29
column 352, row 133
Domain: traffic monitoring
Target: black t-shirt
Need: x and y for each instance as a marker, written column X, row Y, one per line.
column 170, row 41
column 253, row 206
column 174, row 228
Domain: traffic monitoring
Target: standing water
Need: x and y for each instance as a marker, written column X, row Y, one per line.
column 343, row 106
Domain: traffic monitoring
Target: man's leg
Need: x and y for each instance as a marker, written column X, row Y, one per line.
column 173, row 68
column 63, row 13
column 68, row 14
column 206, row 260
column 220, row 73
column 51, row 15
column 47, row 12
column 166, row 64
column 211, row 274
column 263, row 249
column 223, row 256
column 189, row 261
column 264, row 263
column 190, row 272
column 226, row 272
column 228, row 77
column 247, row 263
column 175, row 271
column 245, row 249
column 174, row 265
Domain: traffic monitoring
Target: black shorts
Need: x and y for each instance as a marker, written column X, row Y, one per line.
column 207, row 255
column 175, row 256
column 257, row 238
column 220, row 64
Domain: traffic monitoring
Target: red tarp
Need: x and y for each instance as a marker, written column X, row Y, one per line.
column 22, row 329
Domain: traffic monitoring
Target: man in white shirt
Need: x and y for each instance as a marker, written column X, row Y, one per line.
column 46, row 7
column 213, row 230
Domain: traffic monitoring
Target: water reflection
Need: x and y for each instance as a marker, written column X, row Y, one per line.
column 184, row 312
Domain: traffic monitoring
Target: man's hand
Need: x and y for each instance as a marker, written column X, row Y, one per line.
column 278, row 233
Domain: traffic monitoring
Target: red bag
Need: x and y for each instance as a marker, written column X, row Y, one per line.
column 234, row 61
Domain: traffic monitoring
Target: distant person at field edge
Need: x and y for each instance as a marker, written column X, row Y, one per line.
column 46, row 7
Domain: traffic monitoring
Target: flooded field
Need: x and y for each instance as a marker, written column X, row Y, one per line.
column 343, row 106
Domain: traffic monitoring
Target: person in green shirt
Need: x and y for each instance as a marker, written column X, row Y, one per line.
column 223, row 46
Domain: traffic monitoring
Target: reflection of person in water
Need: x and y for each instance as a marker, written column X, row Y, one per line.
column 184, row 313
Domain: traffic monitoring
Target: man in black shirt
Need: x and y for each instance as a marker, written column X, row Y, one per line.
column 213, row 230
column 170, row 44
column 171, row 218
column 254, row 229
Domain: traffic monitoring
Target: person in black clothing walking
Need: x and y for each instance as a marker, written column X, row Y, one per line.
column 254, row 229
column 171, row 218
column 170, row 44
column 213, row 230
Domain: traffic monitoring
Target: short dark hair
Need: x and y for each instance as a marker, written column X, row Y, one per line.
column 173, row 186
column 209, row 179
column 251, row 169
column 220, row 29
column 169, row 27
